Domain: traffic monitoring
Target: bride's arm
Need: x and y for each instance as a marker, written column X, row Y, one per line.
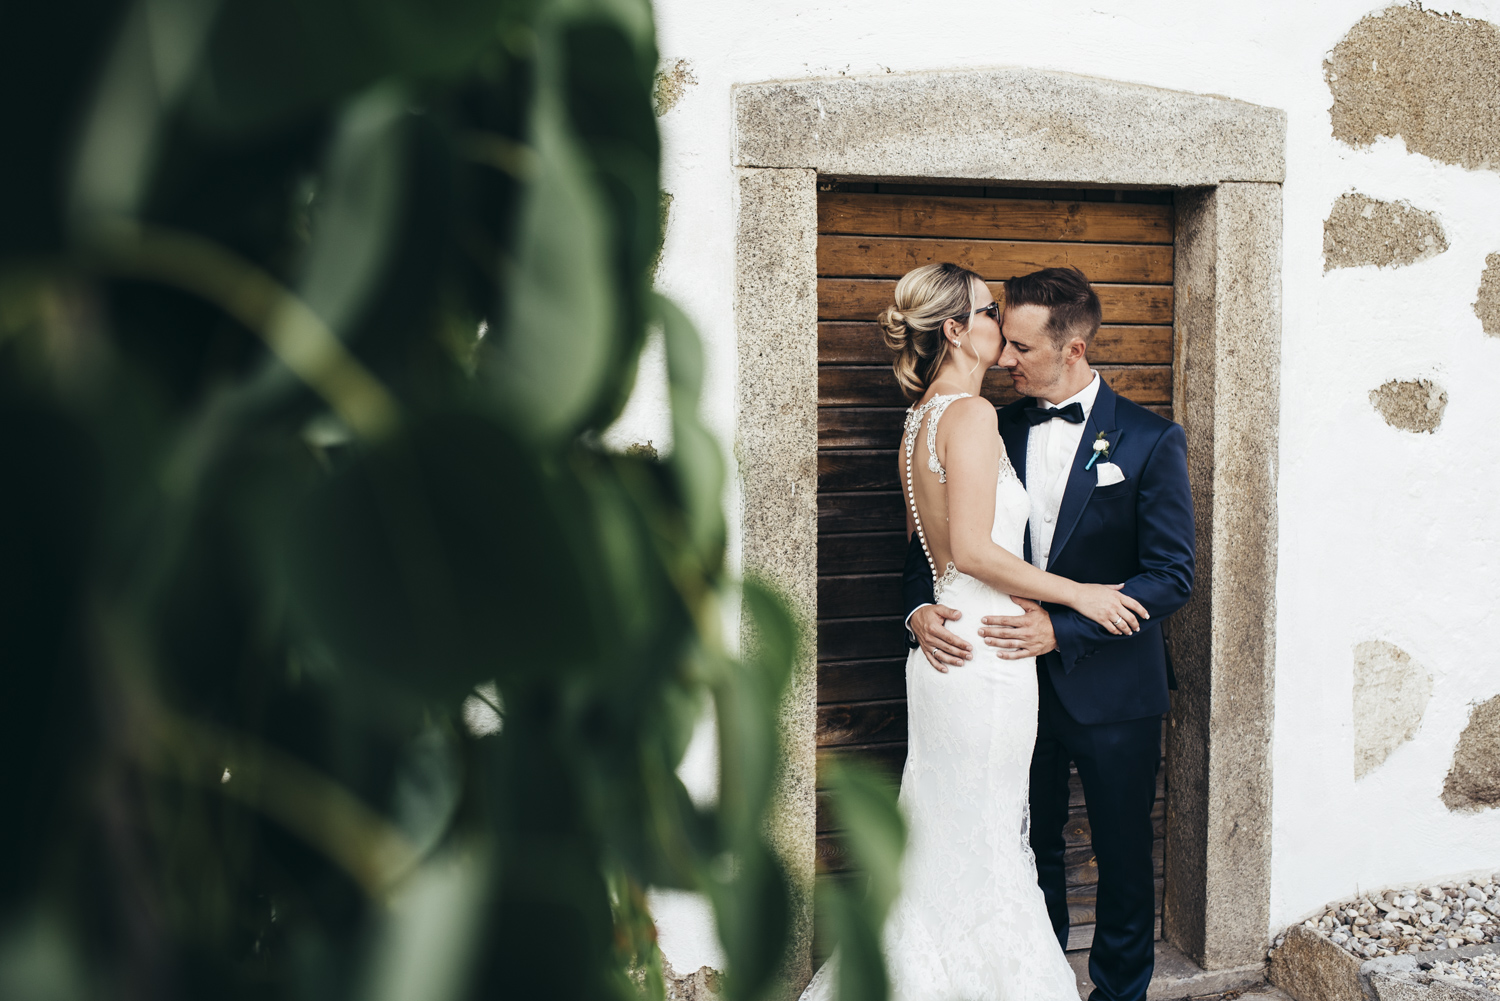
column 972, row 459
column 969, row 443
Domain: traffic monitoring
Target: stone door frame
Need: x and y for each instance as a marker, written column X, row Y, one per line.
column 1226, row 162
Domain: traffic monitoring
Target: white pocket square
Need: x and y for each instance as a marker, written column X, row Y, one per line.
column 1109, row 473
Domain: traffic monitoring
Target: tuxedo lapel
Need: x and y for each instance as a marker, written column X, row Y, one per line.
column 1081, row 481
column 1015, row 432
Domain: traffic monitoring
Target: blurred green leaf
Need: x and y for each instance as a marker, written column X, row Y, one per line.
column 270, row 59
column 423, row 949
column 428, row 787
column 749, row 885
column 437, row 561
column 550, row 358
column 356, row 201
column 39, row 961
column 696, row 462
column 874, row 832
column 302, row 373
column 157, row 50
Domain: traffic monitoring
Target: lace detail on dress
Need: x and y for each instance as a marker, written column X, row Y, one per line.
column 932, row 422
column 914, row 417
column 1007, row 471
column 949, row 576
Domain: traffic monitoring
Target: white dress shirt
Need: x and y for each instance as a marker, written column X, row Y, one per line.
column 1050, row 449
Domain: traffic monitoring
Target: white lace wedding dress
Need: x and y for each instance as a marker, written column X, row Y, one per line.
column 970, row 923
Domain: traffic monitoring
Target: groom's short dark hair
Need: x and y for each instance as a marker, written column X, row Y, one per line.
column 1074, row 308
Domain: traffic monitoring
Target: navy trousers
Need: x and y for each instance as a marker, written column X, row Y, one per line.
column 1117, row 764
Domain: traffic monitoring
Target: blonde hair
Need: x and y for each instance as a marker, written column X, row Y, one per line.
column 913, row 326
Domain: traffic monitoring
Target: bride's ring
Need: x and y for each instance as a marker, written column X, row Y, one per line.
column 1118, row 620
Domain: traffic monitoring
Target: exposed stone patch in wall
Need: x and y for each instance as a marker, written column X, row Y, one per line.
column 671, row 83
column 701, row 985
column 1414, row 405
column 1426, row 77
column 1487, row 305
column 1473, row 783
column 1391, row 692
column 1363, row 230
column 642, row 450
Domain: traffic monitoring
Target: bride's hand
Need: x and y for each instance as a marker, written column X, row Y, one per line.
column 1111, row 608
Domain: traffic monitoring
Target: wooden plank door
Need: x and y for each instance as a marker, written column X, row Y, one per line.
column 868, row 236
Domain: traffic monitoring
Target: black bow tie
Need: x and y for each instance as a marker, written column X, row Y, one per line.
column 1072, row 413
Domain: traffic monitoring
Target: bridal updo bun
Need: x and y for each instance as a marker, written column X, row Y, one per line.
column 913, row 325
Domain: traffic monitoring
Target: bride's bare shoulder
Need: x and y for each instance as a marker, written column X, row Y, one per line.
column 972, row 415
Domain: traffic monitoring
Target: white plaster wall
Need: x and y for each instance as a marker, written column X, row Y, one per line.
column 1384, row 534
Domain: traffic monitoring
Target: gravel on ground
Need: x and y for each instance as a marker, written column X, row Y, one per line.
column 1422, row 919
column 1480, row 971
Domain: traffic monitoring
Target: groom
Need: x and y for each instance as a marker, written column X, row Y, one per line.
column 1110, row 504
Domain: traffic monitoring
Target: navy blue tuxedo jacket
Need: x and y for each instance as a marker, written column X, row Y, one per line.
column 1138, row 532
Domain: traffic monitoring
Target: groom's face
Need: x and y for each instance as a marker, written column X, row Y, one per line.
column 1035, row 363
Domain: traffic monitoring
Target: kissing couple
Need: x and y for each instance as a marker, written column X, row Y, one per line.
column 1048, row 542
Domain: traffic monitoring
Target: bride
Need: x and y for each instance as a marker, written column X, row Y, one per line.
column 970, row 922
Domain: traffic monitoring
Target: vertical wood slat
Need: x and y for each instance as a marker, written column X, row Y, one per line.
column 861, row 543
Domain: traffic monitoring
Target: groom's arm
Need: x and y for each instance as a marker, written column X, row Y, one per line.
column 1164, row 535
column 916, row 582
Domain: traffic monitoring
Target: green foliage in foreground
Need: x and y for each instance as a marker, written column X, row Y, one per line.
column 310, row 313
column 875, row 836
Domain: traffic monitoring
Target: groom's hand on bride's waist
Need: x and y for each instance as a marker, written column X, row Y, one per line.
column 942, row 648
column 1015, row 637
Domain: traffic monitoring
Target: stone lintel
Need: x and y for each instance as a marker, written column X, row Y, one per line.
column 1019, row 125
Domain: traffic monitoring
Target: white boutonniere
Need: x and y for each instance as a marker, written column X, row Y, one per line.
column 1101, row 450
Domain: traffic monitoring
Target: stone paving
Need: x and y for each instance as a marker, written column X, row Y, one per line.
column 1176, row 977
